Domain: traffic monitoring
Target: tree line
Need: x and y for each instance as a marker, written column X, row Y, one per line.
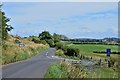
column 46, row 38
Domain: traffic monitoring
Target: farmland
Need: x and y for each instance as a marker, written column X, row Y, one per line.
column 87, row 50
column 94, row 47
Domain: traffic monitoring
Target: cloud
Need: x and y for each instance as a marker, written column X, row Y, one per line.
column 72, row 19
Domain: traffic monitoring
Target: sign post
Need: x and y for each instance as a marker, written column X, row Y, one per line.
column 108, row 52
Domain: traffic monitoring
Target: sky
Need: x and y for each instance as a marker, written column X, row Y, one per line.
column 73, row 19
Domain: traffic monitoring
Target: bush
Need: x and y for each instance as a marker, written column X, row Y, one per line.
column 60, row 45
column 72, row 52
column 59, row 52
column 16, row 41
column 67, row 50
column 36, row 40
column 43, row 42
column 50, row 42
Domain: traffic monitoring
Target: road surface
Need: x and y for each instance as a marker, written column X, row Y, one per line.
column 34, row 67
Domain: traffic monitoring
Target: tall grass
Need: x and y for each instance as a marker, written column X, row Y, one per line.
column 102, row 72
column 65, row 70
column 11, row 52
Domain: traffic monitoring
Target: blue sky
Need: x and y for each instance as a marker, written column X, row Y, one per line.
column 75, row 20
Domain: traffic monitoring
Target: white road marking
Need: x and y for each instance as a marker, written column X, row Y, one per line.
column 46, row 53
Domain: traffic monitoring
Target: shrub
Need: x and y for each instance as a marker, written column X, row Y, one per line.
column 67, row 50
column 60, row 45
column 36, row 40
column 59, row 52
column 72, row 52
column 43, row 42
column 16, row 41
column 50, row 42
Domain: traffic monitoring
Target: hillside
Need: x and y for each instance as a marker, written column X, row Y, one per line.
column 12, row 51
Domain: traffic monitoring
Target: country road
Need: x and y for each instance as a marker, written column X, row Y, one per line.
column 34, row 67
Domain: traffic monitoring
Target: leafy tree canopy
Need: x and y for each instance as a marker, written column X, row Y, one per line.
column 5, row 27
column 45, row 35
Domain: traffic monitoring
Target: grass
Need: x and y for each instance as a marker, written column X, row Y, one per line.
column 103, row 72
column 54, row 71
column 11, row 52
column 87, row 50
column 65, row 70
column 94, row 47
column 0, row 56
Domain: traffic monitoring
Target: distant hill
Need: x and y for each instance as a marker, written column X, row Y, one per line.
column 95, row 40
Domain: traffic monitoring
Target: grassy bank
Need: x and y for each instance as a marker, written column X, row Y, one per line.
column 107, row 69
column 12, row 52
column 65, row 70
column 103, row 72
column 86, row 51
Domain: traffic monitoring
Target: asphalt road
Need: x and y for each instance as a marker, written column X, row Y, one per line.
column 37, row 66
column 34, row 67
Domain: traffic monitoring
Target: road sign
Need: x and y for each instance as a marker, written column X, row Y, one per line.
column 108, row 51
column 19, row 42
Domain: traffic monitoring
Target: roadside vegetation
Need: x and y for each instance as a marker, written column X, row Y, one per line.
column 86, row 51
column 107, row 67
column 68, row 70
column 12, row 51
column 65, row 70
column 103, row 72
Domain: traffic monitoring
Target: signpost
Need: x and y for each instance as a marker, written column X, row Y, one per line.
column 108, row 52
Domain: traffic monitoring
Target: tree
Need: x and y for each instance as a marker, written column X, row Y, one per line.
column 45, row 35
column 50, row 42
column 56, row 37
column 5, row 27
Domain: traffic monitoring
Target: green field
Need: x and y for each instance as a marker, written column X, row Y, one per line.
column 94, row 47
column 87, row 50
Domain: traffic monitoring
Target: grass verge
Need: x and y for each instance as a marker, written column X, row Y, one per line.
column 65, row 70
column 103, row 72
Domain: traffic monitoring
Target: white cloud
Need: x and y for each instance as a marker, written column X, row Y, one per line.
column 58, row 17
